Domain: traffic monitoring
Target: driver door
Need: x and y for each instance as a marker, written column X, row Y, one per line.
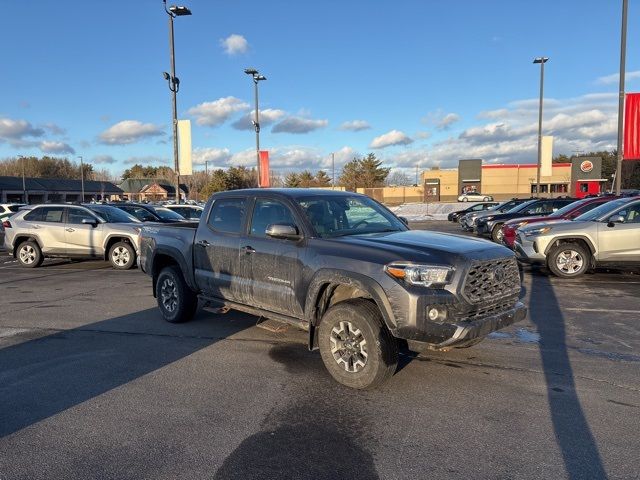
column 272, row 266
column 83, row 239
column 620, row 242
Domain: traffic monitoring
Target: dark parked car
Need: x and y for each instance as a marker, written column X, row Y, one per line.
column 491, row 225
column 468, row 221
column 478, row 207
column 340, row 266
column 150, row 213
column 568, row 212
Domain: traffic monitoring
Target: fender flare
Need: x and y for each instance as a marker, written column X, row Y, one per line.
column 177, row 256
column 31, row 236
column 586, row 240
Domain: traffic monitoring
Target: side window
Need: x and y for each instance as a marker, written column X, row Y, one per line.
column 227, row 215
column 76, row 215
column 267, row 212
column 46, row 214
column 560, row 204
column 631, row 213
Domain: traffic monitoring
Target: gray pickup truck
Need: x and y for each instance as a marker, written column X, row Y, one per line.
column 340, row 266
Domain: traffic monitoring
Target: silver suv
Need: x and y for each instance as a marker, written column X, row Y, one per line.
column 73, row 231
column 608, row 235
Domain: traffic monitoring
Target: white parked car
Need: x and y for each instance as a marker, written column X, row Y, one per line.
column 475, row 197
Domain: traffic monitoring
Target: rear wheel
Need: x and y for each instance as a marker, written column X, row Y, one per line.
column 29, row 254
column 177, row 302
column 496, row 233
column 122, row 256
column 355, row 345
column 568, row 260
column 485, row 199
column 465, row 199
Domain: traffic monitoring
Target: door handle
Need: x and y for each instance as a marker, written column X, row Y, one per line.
column 204, row 243
column 248, row 250
column 36, row 226
column 70, row 229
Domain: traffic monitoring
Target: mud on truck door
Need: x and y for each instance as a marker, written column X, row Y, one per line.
column 271, row 267
column 216, row 249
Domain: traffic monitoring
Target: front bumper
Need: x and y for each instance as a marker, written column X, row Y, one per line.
column 527, row 250
column 482, row 229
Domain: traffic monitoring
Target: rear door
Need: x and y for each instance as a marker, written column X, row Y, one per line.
column 620, row 243
column 47, row 224
column 83, row 239
column 272, row 266
column 216, row 249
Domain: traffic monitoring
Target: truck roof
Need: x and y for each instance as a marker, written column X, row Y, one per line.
column 288, row 192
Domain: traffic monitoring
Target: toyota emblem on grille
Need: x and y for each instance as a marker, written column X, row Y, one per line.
column 499, row 274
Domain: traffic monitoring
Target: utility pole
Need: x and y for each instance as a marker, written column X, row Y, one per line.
column 206, row 168
column 623, row 57
column 81, row 179
column 416, row 175
column 24, row 183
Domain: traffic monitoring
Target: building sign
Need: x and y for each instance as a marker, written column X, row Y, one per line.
column 586, row 166
column 631, row 147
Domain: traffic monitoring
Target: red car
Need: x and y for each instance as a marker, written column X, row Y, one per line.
column 568, row 212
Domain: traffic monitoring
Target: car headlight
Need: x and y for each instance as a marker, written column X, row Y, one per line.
column 138, row 230
column 420, row 275
column 519, row 224
column 536, row 231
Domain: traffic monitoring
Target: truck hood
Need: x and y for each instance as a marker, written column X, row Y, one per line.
column 431, row 244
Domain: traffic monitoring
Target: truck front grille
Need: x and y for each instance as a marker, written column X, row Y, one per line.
column 489, row 282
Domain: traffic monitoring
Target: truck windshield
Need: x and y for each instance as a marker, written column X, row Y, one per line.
column 336, row 216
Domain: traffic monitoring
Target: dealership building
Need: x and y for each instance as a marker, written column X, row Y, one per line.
column 580, row 177
column 50, row 190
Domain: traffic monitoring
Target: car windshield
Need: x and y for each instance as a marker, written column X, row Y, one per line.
column 521, row 207
column 601, row 210
column 336, row 216
column 167, row 214
column 505, row 206
column 113, row 214
column 561, row 212
column 14, row 208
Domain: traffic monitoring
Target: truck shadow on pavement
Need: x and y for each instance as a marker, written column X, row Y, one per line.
column 573, row 434
column 45, row 376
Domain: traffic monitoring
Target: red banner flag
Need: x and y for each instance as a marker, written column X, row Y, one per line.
column 631, row 149
column 264, row 169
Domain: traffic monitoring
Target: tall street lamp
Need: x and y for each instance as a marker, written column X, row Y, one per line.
column 256, row 122
column 541, row 61
column 623, row 55
column 174, row 86
column 24, row 182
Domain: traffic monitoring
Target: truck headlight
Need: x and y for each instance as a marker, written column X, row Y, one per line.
column 420, row 275
column 536, row 231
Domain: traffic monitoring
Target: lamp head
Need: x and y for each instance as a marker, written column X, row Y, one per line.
column 540, row 60
column 179, row 10
column 250, row 71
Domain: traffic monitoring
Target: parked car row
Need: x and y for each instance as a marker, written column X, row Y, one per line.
column 107, row 231
column 567, row 235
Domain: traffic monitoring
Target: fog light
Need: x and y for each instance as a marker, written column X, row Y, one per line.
column 436, row 314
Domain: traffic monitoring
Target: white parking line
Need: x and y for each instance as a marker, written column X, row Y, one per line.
column 600, row 310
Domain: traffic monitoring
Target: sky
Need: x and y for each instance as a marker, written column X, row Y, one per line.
column 419, row 83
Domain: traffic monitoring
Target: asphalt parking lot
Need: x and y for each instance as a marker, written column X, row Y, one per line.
column 94, row 384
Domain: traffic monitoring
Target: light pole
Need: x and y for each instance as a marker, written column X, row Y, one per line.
column 81, row 178
column 24, row 183
column 623, row 56
column 333, row 171
column 174, row 86
column 256, row 122
column 541, row 61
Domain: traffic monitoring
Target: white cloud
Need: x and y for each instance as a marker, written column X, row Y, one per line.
column 55, row 147
column 104, row 159
column 54, row 129
column 234, row 44
column 129, row 131
column 394, row 137
column 614, row 78
column 267, row 117
column 16, row 129
column 422, row 135
column 215, row 113
column 355, row 125
column 217, row 157
column 298, row 125
column 449, row 119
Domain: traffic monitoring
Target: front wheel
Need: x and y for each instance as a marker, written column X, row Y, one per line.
column 177, row 302
column 465, row 199
column 122, row 256
column 568, row 260
column 355, row 345
column 485, row 199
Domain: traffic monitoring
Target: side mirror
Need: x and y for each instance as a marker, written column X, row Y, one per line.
column 90, row 221
column 615, row 219
column 283, row 230
column 404, row 220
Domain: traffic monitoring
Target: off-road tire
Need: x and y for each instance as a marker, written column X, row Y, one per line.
column 122, row 256
column 29, row 254
column 580, row 255
column 176, row 301
column 362, row 318
column 496, row 233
